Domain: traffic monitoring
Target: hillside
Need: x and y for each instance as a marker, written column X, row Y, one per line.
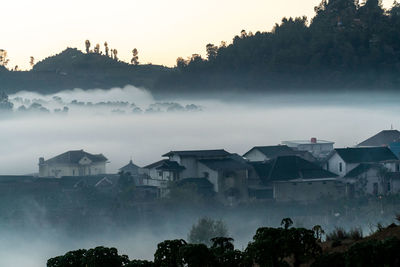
column 74, row 69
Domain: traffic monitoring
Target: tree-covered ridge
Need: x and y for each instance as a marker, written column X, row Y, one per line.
column 346, row 44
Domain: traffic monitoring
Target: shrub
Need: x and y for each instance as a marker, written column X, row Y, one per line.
column 356, row 233
column 337, row 234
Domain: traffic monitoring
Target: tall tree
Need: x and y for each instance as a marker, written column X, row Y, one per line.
column 87, row 45
column 32, row 61
column 212, row 51
column 97, row 49
column 3, row 58
column 106, row 48
column 115, row 52
column 135, row 57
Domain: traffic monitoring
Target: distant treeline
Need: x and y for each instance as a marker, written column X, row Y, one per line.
column 346, row 45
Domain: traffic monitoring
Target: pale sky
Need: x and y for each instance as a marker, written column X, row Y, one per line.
column 161, row 30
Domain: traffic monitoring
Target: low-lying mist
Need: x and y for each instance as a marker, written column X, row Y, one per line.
column 128, row 122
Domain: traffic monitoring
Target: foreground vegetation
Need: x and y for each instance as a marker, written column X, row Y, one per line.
column 270, row 247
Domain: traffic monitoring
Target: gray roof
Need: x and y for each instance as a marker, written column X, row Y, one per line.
column 289, row 168
column 74, row 156
column 228, row 164
column 366, row 154
column 165, row 164
column 362, row 168
column 130, row 166
column 383, row 138
column 199, row 153
column 274, row 151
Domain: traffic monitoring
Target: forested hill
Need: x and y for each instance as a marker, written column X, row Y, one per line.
column 345, row 46
column 74, row 69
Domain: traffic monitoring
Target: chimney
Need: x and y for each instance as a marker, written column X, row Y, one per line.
column 313, row 140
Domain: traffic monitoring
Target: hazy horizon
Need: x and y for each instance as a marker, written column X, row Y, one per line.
column 235, row 125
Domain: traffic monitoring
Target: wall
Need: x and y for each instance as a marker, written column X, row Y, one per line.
column 59, row 170
column 307, row 191
column 212, row 175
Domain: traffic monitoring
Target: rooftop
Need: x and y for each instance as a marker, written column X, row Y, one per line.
column 366, row 154
column 130, row 166
column 74, row 156
column 199, row 153
column 289, row 168
column 383, row 138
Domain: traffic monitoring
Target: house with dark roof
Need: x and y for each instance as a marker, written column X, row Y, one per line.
column 264, row 153
column 73, row 163
column 342, row 160
column 388, row 138
column 132, row 168
column 292, row 178
column 190, row 158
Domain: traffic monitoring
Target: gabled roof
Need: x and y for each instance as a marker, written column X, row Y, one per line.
column 227, row 164
column 362, row 168
column 74, row 156
column 130, row 166
column 199, row 153
column 365, row 154
column 273, row 151
column 383, row 138
column 165, row 164
column 289, row 168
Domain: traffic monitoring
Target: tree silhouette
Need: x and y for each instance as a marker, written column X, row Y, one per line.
column 135, row 57
column 87, row 45
column 3, row 58
column 32, row 61
column 106, row 49
column 97, row 49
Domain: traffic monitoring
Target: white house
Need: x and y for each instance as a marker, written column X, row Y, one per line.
column 73, row 163
column 318, row 148
column 342, row 160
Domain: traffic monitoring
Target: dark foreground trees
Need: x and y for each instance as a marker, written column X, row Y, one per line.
column 270, row 247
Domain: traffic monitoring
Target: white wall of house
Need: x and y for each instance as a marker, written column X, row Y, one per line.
column 307, row 191
column 255, row 155
column 59, row 170
column 338, row 166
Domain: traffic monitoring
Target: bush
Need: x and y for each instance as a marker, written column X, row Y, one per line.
column 356, row 233
column 337, row 234
column 206, row 229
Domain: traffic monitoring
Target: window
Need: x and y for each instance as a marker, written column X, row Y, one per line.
column 206, row 174
column 294, row 183
column 73, row 172
column 160, row 173
column 375, row 189
column 327, row 165
column 388, row 187
column 340, row 167
column 397, row 167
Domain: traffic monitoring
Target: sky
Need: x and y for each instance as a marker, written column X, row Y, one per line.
column 161, row 30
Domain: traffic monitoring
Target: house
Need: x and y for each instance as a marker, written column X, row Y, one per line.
column 228, row 176
column 73, row 163
column 318, row 148
column 264, row 153
column 189, row 159
column 228, row 173
column 160, row 173
column 342, row 160
column 367, row 178
column 292, row 178
column 388, row 138
column 132, row 168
